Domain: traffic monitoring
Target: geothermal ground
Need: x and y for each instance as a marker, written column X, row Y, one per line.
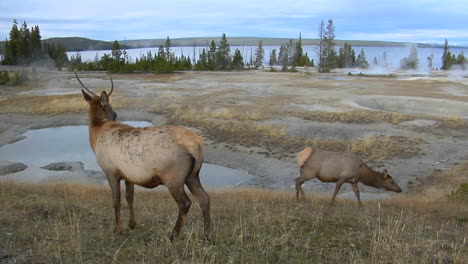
column 412, row 125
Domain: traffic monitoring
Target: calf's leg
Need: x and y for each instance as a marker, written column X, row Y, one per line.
column 299, row 181
column 337, row 189
column 356, row 192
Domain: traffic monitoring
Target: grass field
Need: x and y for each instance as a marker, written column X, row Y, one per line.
column 63, row 223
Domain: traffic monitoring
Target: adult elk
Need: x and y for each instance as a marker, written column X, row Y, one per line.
column 339, row 167
column 148, row 157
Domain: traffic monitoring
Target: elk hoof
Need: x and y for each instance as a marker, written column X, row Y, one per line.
column 132, row 224
column 118, row 230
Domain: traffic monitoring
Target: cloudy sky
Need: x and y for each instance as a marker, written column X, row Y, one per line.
column 426, row 21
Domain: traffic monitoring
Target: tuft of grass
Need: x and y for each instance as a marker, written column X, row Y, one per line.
column 229, row 113
column 60, row 223
column 452, row 123
column 460, row 194
column 383, row 147
column 360, row 117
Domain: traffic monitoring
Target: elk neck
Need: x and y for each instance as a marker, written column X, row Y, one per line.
column 370, row 177
column 97, row 124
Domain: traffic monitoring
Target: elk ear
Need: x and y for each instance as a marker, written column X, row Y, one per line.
column 104, row 97
column 86, row 96
column 385, row 174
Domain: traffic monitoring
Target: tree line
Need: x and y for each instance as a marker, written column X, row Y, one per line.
column 25, row 48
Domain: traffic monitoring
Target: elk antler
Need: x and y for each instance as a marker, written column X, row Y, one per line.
column 112, row 83
column 86, row 88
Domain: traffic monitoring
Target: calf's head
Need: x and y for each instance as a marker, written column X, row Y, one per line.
column 388, row 183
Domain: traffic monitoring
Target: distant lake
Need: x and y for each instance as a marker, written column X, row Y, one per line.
column 394, row 54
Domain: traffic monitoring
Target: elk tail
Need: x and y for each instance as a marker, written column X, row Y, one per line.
column 303, row 156
column 198, row 160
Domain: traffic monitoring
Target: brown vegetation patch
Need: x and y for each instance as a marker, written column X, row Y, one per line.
column 51, row 104
column 279, row 144
column 452, row 123
column 360, row 117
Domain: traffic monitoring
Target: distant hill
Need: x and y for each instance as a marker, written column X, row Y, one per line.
column 253, row 41
column 80, row 44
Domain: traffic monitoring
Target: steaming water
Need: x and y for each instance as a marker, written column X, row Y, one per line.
column 393, row 55
column 70, row 143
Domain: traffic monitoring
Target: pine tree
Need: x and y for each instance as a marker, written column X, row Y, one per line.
column 305, row 61
column 446, row 57
column 167, row 45
column 212, row 62
column 259, row 55
column 283, row 57
column 25, row 49
column 237, row 60
column 328, row 51
column 12, row 51
column 273, row 58
column 202, row 63
column 321, row 35
column 298, row 51
column 346, row 57
column 412, row 61
column 223, row 55
column 36, row 45
column 361, row 60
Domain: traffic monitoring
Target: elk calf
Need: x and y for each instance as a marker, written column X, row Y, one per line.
column 339, row 167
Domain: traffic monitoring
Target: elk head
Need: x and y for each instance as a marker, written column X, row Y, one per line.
column 388, row 183
column 99, row 108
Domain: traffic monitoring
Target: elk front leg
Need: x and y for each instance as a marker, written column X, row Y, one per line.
column 115, row 188
column 356, row 192
column 129, row 190
column 337, row 189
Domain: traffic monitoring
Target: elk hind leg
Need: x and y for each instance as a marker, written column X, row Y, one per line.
column 299, row 181
column 184, row 203
column 129, row 191
column 203, row 199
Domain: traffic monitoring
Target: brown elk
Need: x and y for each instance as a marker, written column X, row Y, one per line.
column 150, row 156
column 339, row 167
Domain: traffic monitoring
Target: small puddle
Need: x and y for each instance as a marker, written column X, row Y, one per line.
column 334, row 78
column 71, row 143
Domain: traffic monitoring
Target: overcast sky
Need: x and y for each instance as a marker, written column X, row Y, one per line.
column 428, row 21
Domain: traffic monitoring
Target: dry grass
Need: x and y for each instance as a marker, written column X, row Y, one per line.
column 279, row 144
column 73, row 224
column 452, row 123
column 360, row 117
column 440, row 183
column 52, row 104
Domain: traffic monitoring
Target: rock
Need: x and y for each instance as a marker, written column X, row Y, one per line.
column 64, row 166
column 8, row 167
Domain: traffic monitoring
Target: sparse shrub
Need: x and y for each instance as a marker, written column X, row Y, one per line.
column 4, row 77
column 460, row 195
